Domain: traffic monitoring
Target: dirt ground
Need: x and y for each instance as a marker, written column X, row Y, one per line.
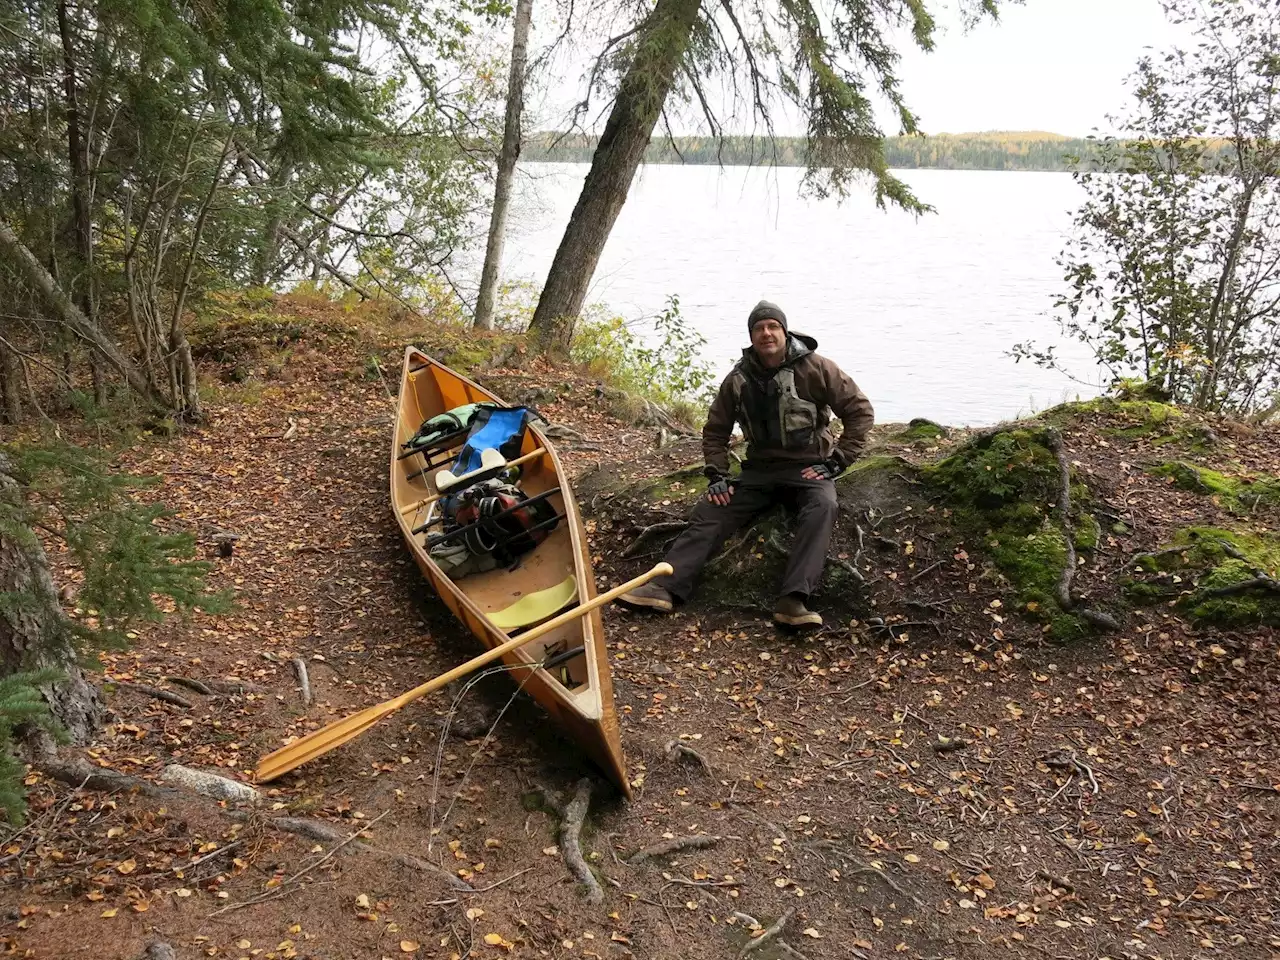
column 941, row 783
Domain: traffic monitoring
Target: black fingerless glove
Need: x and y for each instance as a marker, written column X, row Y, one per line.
column 827, row 469
column 718, row 488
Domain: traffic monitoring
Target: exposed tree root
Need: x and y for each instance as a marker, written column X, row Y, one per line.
column 304, row 681
column 81, row 773
column 1065, row 600
column 155, row 692
column 698, row 841
column 771, row 933
column 192, row 684
column 677, row 748
column 575, row 812
column 651, row 531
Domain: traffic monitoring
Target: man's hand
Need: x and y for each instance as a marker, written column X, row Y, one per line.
column 826, row 470
column 719, row 492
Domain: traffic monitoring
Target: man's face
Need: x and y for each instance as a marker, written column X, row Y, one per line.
column 770, row 342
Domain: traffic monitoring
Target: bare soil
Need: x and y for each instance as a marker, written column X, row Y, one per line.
column 934, row 779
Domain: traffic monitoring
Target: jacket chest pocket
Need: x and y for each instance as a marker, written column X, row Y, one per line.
column 798, row 417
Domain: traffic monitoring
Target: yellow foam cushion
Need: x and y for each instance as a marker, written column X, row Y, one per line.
column 536, row 607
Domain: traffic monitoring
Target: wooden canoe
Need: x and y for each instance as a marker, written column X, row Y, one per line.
column 578, row 694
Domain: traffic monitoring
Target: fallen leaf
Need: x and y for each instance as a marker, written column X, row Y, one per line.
column 810, row 932
column 110, row 913
column 941, row 845
column 362, row 901
column 127, row 867
column 408, row 946
column 475, row 913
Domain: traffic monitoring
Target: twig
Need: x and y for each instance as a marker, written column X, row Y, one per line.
column 857, row 574
column 575, row 812
column 304, row 682
column 653, row 530
column 233, row 687
column 165, row 695
column 699, row 841
column 1257, row 787
column 770, row 933
column 928, row 569
column 1064, row 759
column 1053, row 881
column 789, row 951
column 191, row 684
column 676, row 748
column 280, row 890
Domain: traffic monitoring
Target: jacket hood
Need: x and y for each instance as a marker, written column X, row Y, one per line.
column 799, row 345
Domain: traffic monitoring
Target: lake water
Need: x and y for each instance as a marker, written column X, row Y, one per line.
column 921, row 312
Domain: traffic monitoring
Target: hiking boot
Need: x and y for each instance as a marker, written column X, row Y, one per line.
column 650, row 597
column 790, row 611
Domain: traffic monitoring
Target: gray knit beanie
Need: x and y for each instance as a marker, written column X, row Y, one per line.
column 766, row 310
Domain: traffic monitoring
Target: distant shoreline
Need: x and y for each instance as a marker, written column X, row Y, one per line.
column 1030, row 151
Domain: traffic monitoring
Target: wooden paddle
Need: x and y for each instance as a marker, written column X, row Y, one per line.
column 339, row 732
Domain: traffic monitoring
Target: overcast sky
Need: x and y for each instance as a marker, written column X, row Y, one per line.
column 1055, row 65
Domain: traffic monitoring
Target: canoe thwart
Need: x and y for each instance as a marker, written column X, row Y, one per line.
column 439, row 538
column 535, row 607
column 427, row 501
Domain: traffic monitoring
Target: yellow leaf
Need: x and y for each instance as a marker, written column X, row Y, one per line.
column 408, row 946
column 115, row 832
column 474, row 913
column 127, row 866
column 95, row 895
column 109, row 913
column 810, row 932
column 362, row 901
column 941, row 845
column 493, row 939
column 911, row 858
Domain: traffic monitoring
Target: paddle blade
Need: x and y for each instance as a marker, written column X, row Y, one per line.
column 320, row 742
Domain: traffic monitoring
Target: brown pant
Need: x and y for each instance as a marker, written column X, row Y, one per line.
column 755, row 492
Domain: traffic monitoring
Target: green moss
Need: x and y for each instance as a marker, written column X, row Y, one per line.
column 920, row 429
column 1236, row 493
column 1207, row 564
column 1001, row 475
column 1087, row 534
column 687, row 483
column 1142, row 416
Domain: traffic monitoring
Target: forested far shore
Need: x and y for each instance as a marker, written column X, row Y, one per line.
column 1017, row 150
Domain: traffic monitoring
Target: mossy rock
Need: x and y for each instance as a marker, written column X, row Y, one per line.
column 1213, row 558
column 1235, row 493
column 920, row 430
column 1001, row 488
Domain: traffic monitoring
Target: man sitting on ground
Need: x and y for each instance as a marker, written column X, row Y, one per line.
column 782, row 393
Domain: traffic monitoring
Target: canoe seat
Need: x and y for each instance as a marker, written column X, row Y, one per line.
column 491, row 461
column 535, row 607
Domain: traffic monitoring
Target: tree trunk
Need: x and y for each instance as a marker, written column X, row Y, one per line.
column 10, row 385
column 506, row 166
column 279, row 203
column 33, row 631
column 26, row 265
column 81, row 217
column 659, row 50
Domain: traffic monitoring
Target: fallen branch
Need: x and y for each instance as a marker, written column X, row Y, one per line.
column 575, row 812
column 653, row 530
column 304, row 682
column 155, row 692
column 699, row 841
column 677, row 748
column 192, row 684
column 770, row 933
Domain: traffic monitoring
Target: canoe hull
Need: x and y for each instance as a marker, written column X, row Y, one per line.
column 586, row 714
